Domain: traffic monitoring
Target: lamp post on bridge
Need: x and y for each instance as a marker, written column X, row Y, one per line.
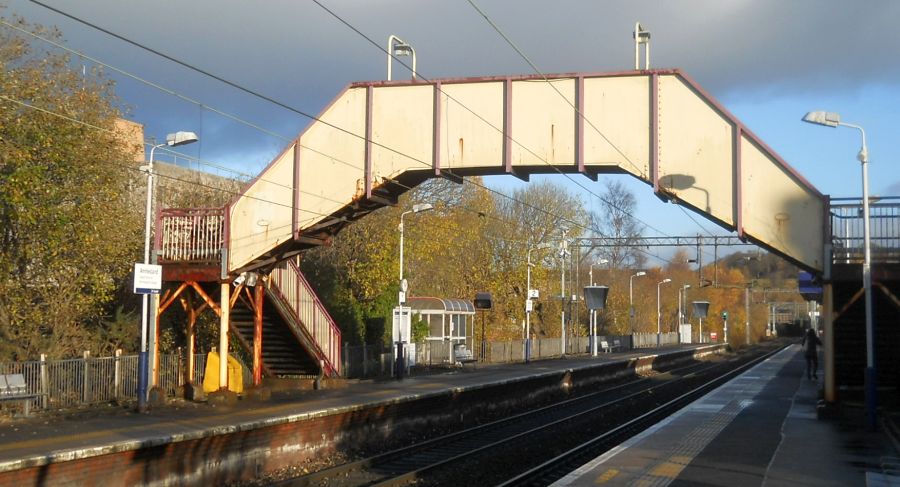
column 831, row 119
column 172, row 140
column 398, row 47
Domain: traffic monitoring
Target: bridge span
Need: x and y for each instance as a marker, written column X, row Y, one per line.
column 377, row 139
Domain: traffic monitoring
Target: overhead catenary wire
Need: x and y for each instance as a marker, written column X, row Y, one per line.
column 303, row 113
column 577, row 111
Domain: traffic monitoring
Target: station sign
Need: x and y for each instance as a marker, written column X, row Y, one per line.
column 534, row 294
column 147, row 278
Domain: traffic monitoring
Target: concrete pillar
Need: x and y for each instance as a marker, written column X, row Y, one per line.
column 224, row 319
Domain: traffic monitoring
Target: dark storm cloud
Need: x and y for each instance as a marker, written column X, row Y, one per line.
column 300, row 55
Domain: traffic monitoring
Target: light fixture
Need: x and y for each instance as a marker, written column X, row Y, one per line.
column 172, row 140
column 398, row 47
column 832, row 119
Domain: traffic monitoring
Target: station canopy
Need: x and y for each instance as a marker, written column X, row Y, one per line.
column 448, row 305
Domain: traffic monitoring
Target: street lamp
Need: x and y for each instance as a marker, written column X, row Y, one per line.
column 831, row 119
column 592, row 318
column 682, row 297
column 528, row 304
column 658, row 312
column 417, row 208
column 172, row 140
column 398, row 47
column 631, row 298
column 563, row 253
column 591, row 270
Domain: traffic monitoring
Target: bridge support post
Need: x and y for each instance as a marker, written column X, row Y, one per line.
column 224, row 317
column 259, row 291
column 828, row 312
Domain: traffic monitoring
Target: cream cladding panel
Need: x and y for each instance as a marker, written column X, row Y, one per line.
column 402, row 130
column 617, row 123
column 471, row 125
column 777, row 209
column 261, row 217
column 543, row 122
column 332, row 161
column 695, row 150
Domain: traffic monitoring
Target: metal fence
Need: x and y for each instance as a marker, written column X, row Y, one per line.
column 649, row 340
column 70, row 383
column 847, row 233
column 368, row 361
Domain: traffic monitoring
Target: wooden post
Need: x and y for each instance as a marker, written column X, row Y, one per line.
column 828, row 315
column 259, row 293
column 224, row 318
column 192, row 321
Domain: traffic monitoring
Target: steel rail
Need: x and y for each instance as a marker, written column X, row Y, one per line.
column 555, row 468
column 401, row 465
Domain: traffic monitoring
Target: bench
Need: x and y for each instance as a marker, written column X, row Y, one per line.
column 14, row 388
column 462, row 355
column 607, row 348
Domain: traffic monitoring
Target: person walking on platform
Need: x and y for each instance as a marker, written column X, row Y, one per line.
column 811, row 341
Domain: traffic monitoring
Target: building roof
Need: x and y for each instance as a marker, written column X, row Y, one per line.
column 450, row 305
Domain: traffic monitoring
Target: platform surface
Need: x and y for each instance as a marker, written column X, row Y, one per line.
column 57, row 437
column 760, row 429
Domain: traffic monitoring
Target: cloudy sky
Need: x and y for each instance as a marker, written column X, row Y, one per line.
column 767, row 61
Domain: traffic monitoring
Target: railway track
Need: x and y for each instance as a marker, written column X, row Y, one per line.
column 555, row 437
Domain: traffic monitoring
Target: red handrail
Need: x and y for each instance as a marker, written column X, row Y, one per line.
column 195, row 235
column 296, row 292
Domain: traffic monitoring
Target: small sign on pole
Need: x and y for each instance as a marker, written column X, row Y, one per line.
column 147, row 278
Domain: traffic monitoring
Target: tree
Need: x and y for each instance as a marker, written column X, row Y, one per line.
column 616, row 219
column 68, row 230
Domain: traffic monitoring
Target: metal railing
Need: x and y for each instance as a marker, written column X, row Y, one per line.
column 294, row 291
column 72, row 383
column 195, row 235
column 847, row 235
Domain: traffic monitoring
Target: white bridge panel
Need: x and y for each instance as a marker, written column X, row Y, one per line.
column 658, row 125
column 617, row 123
column 543, row 122
column 261, row 217
column 471, row 125
column 402, row 130
column 696, row 157
column 332, row 159
column 779, row 211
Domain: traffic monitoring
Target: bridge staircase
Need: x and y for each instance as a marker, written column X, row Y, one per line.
column 299, row 338
column 849, row 302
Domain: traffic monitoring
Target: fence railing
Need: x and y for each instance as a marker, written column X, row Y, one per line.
column 648, row 340
column 71, row 383
column 370, row 361
column 847, row 235
column 195, row 235
column 296, row 293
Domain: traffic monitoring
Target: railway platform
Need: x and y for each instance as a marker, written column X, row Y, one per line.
column 767, row 430
column 759, row 429
column 203, row 444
